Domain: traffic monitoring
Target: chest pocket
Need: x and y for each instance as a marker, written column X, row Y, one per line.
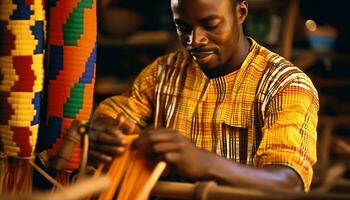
column 235, row 133
column 236, row 130
column 240, row 113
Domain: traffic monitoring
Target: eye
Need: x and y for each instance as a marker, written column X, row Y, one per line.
column 183, row 29
column 211, row 26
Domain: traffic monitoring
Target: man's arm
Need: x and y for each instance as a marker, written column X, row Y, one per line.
column 193, row 163
column 137, row 103
column 277, row 177
column 283, row 160
column 108, row 128
column 289, row 133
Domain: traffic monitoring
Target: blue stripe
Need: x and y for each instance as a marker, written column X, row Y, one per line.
column 88, row 75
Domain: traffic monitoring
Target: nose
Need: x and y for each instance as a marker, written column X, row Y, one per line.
column 197, row 38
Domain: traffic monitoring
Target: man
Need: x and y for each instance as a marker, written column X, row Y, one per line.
column 224, row 109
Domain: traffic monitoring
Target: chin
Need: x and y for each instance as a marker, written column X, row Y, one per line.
column 210, row 70
column 207, row 66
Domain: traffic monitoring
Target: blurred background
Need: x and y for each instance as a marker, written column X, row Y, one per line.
column 314, row 35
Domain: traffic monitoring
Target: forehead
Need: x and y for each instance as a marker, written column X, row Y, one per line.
column 196, row 9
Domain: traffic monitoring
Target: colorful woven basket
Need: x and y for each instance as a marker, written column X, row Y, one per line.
column 21, row 75
column 71, row 58
column 22, row 25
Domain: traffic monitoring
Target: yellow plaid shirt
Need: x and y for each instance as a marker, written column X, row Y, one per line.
column 264, row 113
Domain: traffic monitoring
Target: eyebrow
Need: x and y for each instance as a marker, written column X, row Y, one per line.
column 208, row 18
column 211, row 17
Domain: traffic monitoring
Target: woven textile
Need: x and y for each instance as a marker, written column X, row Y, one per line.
column 21, row 75
column 264, row 113
column 132, row 174
column 71, row 58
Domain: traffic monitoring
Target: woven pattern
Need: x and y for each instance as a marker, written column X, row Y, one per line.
column 220, row 115
column 133, row 176
column 70, row 70
column 21, row 74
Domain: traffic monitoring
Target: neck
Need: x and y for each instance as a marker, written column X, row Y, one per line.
column 235, row 62
column 241, row 53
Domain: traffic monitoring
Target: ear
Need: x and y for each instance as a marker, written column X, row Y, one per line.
column 242, row 11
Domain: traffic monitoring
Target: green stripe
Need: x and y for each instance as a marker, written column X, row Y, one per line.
column 76, row 98
column 75, row 22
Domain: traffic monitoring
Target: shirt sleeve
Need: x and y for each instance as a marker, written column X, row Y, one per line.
column 289, row 132
column 136, row 104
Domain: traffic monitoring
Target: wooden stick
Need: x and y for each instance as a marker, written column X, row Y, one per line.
column 115, row 172
column 176, row 190
column 288, row 30
column 126, row 187
column 46, row 175
column 157, row 172
column 144, row 173
column 79, row 190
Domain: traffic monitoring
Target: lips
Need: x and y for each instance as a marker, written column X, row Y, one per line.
column 201, row 55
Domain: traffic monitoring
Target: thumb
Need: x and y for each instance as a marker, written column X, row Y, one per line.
column 126, row 125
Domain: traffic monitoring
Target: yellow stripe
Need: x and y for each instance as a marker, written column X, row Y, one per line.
column 39, row 11
column 10, row 77
column 23, row 118
column 33, row 139
column 23, row 95
column 6, row 9
column 6, row 69
column 38, row 69
column 24, row 112
column 7, row 139
column 5, row 88
column 11, row 153
column 25, row 41
column 19, row 123
column 11, row 149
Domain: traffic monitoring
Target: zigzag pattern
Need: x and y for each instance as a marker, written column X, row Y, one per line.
column 71, row 70
column 22, row 75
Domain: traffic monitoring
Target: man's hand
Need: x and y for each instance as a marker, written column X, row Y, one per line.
column 107, row 138
column 178, row 151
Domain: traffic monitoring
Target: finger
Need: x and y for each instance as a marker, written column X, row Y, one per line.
column 104, row 138
column 98, row 158
column 164, row 147
column 151, row 136
column 163, row 135
column 172, row 157
column 105, row 125
column 126, row 125
column 99, row 124
column 109, row 150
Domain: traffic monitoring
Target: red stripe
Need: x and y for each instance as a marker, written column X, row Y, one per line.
column 6, row 110
column 22, row 65
column 22, row 137
column 29, row 2
column 7, row 42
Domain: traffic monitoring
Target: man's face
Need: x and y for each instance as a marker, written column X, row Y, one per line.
column 209, row 30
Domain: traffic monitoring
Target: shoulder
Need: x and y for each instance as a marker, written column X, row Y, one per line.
column 171, row 63
column 279, row 73
column 166, row 66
